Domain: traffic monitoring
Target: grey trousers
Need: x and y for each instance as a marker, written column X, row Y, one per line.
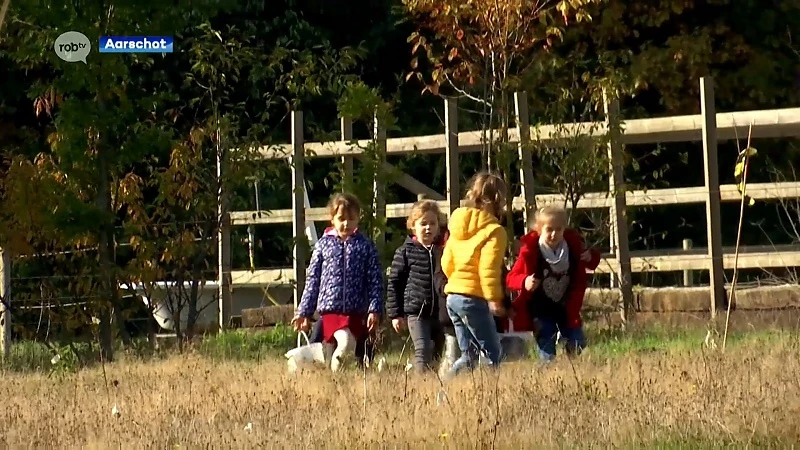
column 428, row 338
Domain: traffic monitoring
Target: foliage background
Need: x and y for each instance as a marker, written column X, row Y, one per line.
column 111, row 164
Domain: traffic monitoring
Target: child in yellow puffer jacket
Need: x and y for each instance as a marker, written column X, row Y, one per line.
column 473, row 263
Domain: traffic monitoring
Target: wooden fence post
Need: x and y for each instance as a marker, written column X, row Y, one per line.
column 347, row 161
column 5, row 303
column 688, row 275
column 613, row 282
column 525, row 158
column 451, row 155
column 619, row 215
column 379, row 183
column 711, row 166
column 297, row 162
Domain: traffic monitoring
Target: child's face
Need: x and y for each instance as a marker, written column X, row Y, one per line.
column 426, row 228
column 344, row 222
column 552, row 230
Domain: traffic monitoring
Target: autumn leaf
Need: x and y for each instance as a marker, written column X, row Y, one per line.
column 461, row 38
column 453, row 54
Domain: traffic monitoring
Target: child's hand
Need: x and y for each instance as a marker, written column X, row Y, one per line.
column 531, row 283
column 301, row 323
column 398, row 324
column 497, row 309
column 586, row 256
column 372, row 321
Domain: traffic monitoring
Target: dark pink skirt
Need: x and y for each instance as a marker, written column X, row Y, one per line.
column 331, row 323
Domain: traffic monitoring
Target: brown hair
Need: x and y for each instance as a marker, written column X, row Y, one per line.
column 421, row 208
column 551, row 211
column 487, row 191
column 347, row 201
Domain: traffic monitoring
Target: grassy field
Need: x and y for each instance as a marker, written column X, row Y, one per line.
column 653, row 389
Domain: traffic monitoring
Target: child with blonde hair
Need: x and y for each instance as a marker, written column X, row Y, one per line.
column 473, row 264
column 413, row 300
column 550, row 275
column 344, row 282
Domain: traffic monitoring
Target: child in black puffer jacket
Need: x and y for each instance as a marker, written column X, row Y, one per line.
column 414, row 299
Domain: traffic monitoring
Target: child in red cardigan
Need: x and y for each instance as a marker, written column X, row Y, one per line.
column 550, row 276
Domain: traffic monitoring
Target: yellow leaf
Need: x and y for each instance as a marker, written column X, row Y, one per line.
column 563, row 7
column 739, row 169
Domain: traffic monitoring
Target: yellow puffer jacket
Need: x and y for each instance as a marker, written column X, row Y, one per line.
column 473, row 256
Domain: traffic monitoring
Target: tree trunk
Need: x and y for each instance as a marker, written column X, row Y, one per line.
column 176, row 309
column 198, row 264
column 152, row 330
column 123, row 332
column 191, row 318
column 119, row 318
column 105, row 250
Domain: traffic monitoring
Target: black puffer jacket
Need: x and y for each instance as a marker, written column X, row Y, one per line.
column 411, row 290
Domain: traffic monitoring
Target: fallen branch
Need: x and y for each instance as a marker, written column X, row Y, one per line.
column 744, row 161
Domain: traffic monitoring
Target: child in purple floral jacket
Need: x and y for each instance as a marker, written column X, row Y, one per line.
column 344, row 282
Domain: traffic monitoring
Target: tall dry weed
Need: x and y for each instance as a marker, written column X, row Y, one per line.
column 749, row 395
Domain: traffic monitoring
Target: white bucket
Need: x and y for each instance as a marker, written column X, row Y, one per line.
column 306, row 356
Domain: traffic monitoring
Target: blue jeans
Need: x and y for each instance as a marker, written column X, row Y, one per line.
column 546, row 339
column 475, row 331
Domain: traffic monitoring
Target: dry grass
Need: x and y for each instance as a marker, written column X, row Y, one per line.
column 750, row 395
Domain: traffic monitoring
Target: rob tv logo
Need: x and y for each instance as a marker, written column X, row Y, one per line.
column 72, row 46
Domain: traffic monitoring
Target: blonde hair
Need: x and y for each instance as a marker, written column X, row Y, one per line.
column 551, row 212
column 347, row 201
column 487, row 191
column 421, row 208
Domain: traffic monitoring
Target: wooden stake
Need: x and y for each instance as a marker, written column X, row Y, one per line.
column 711, row 175
column 347, row 160
column 619, row 208
column 452, row 154
column 298, row 205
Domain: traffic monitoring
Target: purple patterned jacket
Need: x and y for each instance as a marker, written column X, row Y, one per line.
column 344, row 277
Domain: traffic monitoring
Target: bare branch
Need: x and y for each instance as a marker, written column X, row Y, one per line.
column 464, row 93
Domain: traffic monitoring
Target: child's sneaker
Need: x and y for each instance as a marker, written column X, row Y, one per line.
column 336, row 363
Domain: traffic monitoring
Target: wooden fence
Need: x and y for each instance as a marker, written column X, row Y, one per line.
column 709, row 127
